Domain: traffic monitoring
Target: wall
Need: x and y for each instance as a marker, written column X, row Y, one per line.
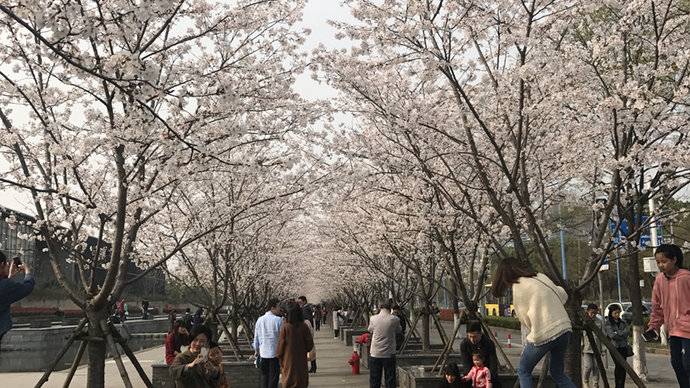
column 33, row 349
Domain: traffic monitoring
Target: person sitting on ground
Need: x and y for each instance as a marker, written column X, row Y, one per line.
column 177, row 337
column 452, row 378
column 479, row 375
column 12, row 291
column 476, row 342
column 198, row 367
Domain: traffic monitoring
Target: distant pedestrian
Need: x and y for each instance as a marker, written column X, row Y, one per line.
column 400, row 337
column 176, row 338
column 188, row 317
column 337, row 321
column 144, row 309
column 266, row 335
column 120, row 305
column 307, row 309
column 198, row 318
column 538, row 304
column 317, row 318
column 383, row 328
column 590, row 368
column 618, row 331
column 311, row 354
column 294, row 343
column 172, row 317
column 324, row 314
column 671, row 306
column 12, row 291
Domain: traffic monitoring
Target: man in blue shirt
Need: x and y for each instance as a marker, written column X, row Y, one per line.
column 12, row 291
column 266, row 335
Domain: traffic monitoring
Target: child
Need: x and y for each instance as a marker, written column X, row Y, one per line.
column 671, row 306
column 452, row 377
column 479, row 374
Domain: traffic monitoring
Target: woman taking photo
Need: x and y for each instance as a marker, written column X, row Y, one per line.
column 199, row 367
column 618, row 331
column 177, row 337
column 538, row 304
column 293, row 344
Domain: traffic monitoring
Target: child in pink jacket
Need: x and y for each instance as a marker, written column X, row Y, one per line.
column 671, row 306
column 479, row 375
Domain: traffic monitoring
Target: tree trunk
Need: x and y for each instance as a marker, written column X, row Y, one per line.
column 573, row 355
column 96, row 349
column 425, row 330
column 640, row 358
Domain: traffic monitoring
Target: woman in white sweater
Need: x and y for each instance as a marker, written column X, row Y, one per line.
column 538, row 304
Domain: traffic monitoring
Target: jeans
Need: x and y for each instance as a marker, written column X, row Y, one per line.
column 680, row 359
column 590, row 370
column 336, row 332
column 270, row 372
column 379, row 366
column 531, row 355
column 318, row 325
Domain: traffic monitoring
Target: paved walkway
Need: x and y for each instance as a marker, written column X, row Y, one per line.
column 332, row 367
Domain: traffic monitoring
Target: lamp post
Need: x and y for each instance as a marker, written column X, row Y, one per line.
column 564, row 267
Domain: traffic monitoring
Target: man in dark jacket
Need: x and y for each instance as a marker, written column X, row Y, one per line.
column 12, row 291
column 476, row 342
column 307, row 309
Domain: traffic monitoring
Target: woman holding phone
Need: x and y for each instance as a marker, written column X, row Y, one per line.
column 199, row 367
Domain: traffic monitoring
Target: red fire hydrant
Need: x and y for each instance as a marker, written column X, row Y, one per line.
column 354, row 361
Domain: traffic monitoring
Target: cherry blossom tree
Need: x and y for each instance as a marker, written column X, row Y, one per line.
column 109, row 108
column 500, row 101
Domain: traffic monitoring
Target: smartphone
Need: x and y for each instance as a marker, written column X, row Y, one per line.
column 204, row 353
column 650, row 335
column 17, row 261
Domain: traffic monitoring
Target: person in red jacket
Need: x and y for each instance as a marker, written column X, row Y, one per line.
column 479, row 375
column 177, row 337
column 671, row 306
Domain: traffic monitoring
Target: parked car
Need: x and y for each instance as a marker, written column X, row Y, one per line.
column 627, row 310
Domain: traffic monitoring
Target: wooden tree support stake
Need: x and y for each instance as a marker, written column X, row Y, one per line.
column 614, row 353
column 75, row 364
column 70, row 341
column 116, row 354
column 130, row 354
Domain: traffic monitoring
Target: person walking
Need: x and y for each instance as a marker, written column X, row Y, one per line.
column 317, row 318
column 671, row 306
column 177, row 337
column 337, row 319
column 266, row 335
column 590, row 368
column 293, row 344
column 12, row 291
column 383, row 328
column 307, row 309
column 618, row 331
column 538, row 304
column 311, row 354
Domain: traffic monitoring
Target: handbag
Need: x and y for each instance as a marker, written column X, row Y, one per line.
column 311, row 355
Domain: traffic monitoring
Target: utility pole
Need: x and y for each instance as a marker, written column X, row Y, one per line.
column 564, row 267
